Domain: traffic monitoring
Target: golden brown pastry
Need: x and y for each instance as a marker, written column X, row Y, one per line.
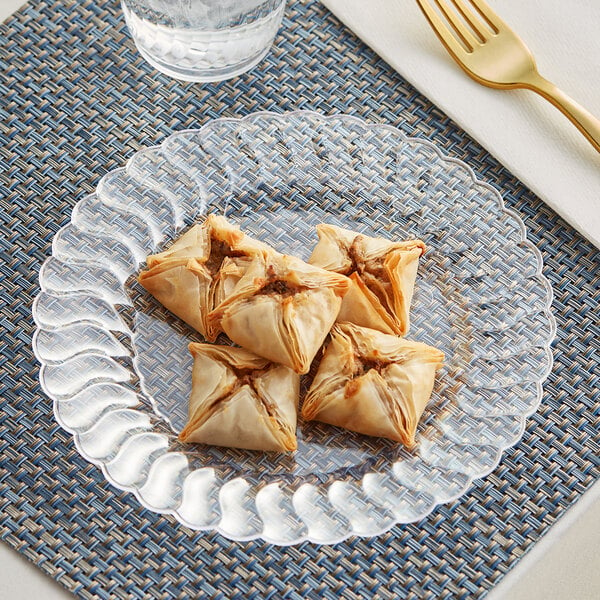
column 241, row 400
column 282, row 308
column 383, row 276
column 198, row 271
column 373, row 383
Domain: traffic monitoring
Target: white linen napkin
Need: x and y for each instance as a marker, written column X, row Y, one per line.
column 523, row 131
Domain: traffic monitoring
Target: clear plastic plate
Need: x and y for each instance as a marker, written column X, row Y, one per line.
column 116, row 363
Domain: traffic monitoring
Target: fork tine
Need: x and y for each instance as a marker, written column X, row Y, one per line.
column 463, row 32
column 479, row 25
column 447, row 37
column 492, row 19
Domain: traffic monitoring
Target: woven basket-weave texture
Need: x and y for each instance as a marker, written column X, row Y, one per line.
column 77, row 102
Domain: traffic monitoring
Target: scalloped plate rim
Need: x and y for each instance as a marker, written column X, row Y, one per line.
column 500, row 449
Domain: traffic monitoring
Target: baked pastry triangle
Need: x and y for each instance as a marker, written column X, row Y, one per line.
column 373, row 383
column 197, row 272
column 282, row 308
column 382, row 273
column 241, row 400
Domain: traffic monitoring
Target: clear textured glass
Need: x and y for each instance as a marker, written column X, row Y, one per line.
column 203, row 40
column 117, row 367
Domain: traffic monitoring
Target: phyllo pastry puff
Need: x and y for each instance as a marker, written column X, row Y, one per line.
column 373, row 383
column 282, row 309
column 197, row 272
column 382, row 272
column 241, row 400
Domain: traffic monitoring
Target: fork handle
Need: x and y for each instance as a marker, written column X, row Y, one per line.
column 579, row 116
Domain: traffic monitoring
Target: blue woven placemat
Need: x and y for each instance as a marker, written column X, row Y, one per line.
column 77, row 101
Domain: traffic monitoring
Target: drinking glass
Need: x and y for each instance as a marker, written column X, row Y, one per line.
column 203, row 40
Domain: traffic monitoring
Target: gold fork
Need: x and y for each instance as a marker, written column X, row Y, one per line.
column 489, row 51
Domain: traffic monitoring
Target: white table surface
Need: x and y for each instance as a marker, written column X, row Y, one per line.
column 563, row 565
